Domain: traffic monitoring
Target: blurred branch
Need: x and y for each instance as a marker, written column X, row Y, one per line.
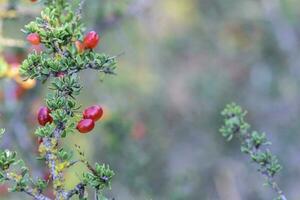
column 79, row 10
column 8, row 42
column 5, row 12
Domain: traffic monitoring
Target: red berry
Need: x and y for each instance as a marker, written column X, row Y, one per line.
column 47, row 175
column 60, row 74
column 85, row 125
column 34, row 38
column 91, row 40
column 44, row 116
column 79, row 46
column 93, row 112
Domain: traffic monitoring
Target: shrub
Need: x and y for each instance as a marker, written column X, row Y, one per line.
column 60, row 30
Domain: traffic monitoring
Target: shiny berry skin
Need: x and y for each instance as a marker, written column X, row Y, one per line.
column 44, row 116
column 85, row 125
column 34, row 38
column 79, row 46
column 93, row 112
column 91, row 40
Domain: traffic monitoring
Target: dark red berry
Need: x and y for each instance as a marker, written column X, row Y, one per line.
column 34, row 38
column 46, row 175
column 93, row 112
column 44, row 116
column 85, row 125
column 91, row 40
column 60, row 74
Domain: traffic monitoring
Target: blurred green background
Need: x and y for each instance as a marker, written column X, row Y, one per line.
column 183, row 61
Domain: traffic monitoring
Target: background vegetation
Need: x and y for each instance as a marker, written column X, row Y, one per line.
column 183, row 61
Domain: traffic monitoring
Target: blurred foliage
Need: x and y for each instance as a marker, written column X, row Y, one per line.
column 183, row 61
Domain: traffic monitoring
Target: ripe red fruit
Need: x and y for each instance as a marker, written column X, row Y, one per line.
column 91, row 40
column 47, row 175
column 85, row 125
column 34, row 38
column 93, row 112
column 79, row 46
column 60, row 74
column 44, row 116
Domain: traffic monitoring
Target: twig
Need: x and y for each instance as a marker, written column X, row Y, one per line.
column 79, row 189
column 79, row 10
column 28, row 190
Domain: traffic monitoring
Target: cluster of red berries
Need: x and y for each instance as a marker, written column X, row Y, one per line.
column 89, row 116
column 90, row 41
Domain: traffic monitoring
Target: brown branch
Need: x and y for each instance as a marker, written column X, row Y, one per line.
column 9, row 42
column 28, row 11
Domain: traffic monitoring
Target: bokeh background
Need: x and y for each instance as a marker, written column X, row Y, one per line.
column 182, row 61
